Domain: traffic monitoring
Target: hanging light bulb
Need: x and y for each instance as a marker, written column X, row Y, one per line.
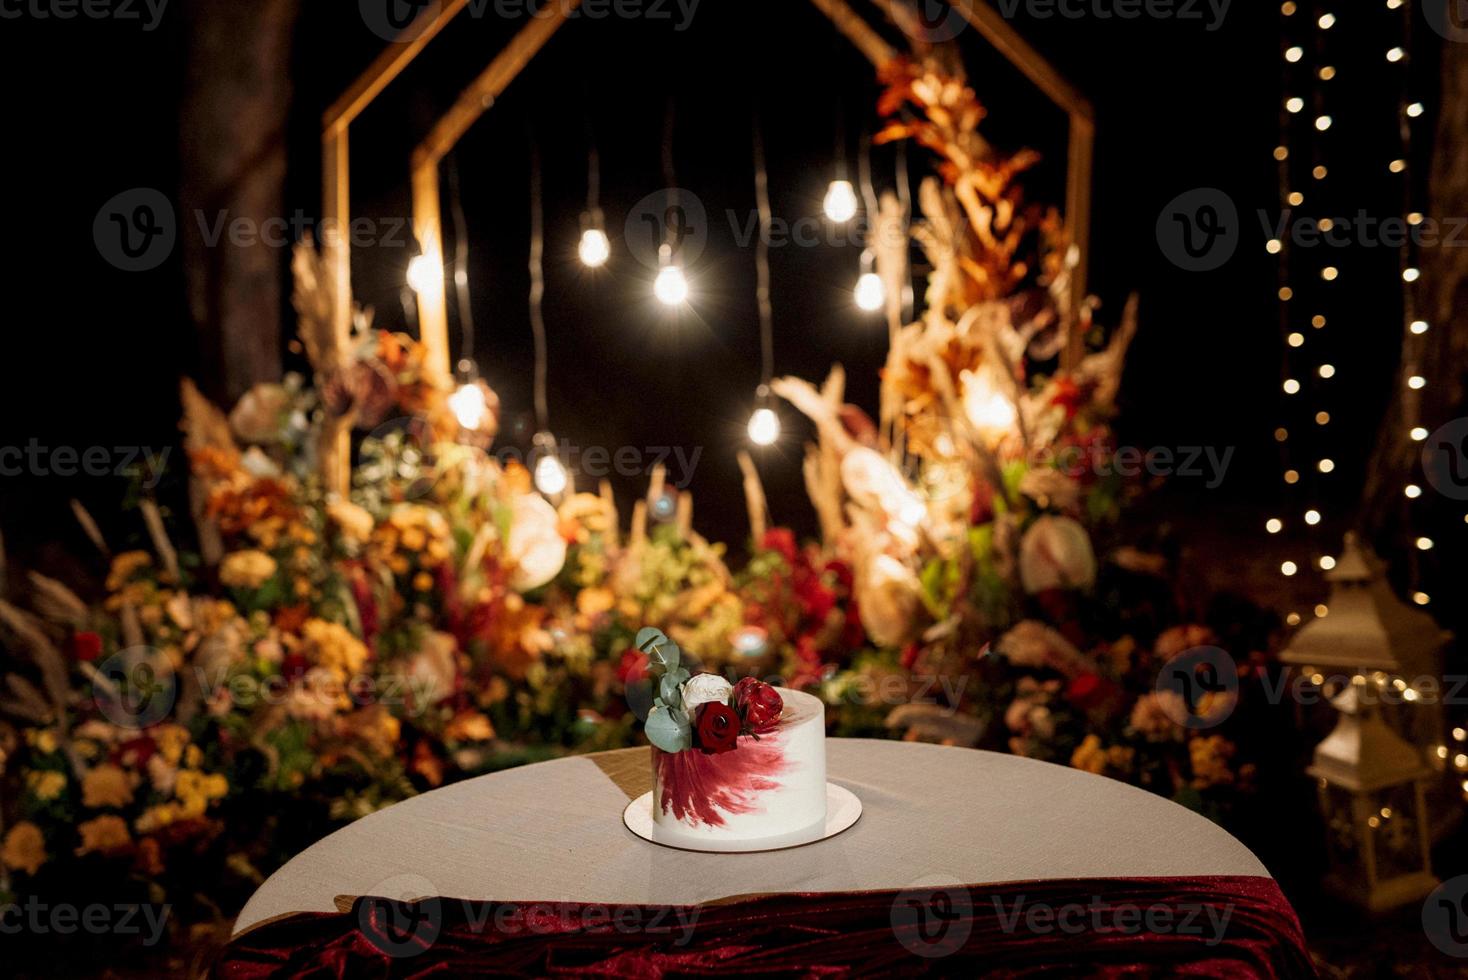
column 671, row 286
column 871, row 292
column 468, row 405
column 764, row 427
column 425, row 272
column 840, row 203
column 595, row 247
column 550, row 475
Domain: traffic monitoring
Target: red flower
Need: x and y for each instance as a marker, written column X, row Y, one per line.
column 1090, row 692
column 633, row 666
column 718, row 728
column 86, row 646
column 780, row 539
column 759, row 703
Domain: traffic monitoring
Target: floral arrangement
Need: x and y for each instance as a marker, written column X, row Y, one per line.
column 702, row 711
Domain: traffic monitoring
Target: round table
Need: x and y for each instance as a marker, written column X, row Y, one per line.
column 553, row 832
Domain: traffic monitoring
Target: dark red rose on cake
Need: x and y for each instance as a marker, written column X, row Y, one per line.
column 718, row 728
column 759, row 704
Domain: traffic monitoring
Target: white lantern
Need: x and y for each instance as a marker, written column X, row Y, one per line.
column 1371, row 780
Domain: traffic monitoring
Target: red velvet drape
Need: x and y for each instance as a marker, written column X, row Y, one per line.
column 1234, row 926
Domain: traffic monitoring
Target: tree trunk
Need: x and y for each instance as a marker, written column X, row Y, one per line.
column 1441, row 353
column 233, row 155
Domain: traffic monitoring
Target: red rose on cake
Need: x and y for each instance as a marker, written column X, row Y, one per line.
column 758, row 704
column 718, row 728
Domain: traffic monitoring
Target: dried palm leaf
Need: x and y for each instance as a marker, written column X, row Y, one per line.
column 56, row 603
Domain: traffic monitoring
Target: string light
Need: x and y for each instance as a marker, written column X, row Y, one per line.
column 551, row 476
column 1288, row 568
column 468, row 404
column 1418, row 326
column 671, row 285
column 840, row 204
column 764, row 424
column 1424, row 544
column 1418, row 433
column 595, row 247
column 425, row 272
column 1274, row 525
column 1327, row 562
column 1312, row 517
column 764, row 427
column 870, row 292
column 1327, row 21
column 1412, row 490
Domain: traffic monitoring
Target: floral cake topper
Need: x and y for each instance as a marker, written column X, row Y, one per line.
column 702, row 711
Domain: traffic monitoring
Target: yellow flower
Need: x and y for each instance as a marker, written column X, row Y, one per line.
column 157, row 817
column 590, row 602
column 195, row 791
column 105, row 833
column 1088, row 756
column 104, row 786
column 246, row 569
column 335, row 646
column 423, row 582
column 46, row 784
column 124, row 566
column 171, row 740
column 43, row 740
column 1210, row 755
column 355, row 522
column 24, row 848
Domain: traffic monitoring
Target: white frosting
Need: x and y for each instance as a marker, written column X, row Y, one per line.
column 791, row 812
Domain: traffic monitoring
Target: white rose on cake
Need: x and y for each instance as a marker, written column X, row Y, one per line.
column 700, row 689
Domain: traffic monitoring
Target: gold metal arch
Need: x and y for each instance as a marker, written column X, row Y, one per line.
column 482, row 92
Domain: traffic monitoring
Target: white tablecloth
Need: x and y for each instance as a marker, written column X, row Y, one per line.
column 553, row 832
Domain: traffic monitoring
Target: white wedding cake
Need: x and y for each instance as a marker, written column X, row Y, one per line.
column 769, row 790
column 735, row 767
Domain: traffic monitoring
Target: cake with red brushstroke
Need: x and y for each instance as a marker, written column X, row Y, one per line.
column 738, row 764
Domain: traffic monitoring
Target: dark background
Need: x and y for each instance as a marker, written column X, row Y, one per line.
column 94, row 354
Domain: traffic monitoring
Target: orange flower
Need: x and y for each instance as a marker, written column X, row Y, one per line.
column 24, row 848
column 106, row 786
column 103, row 834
